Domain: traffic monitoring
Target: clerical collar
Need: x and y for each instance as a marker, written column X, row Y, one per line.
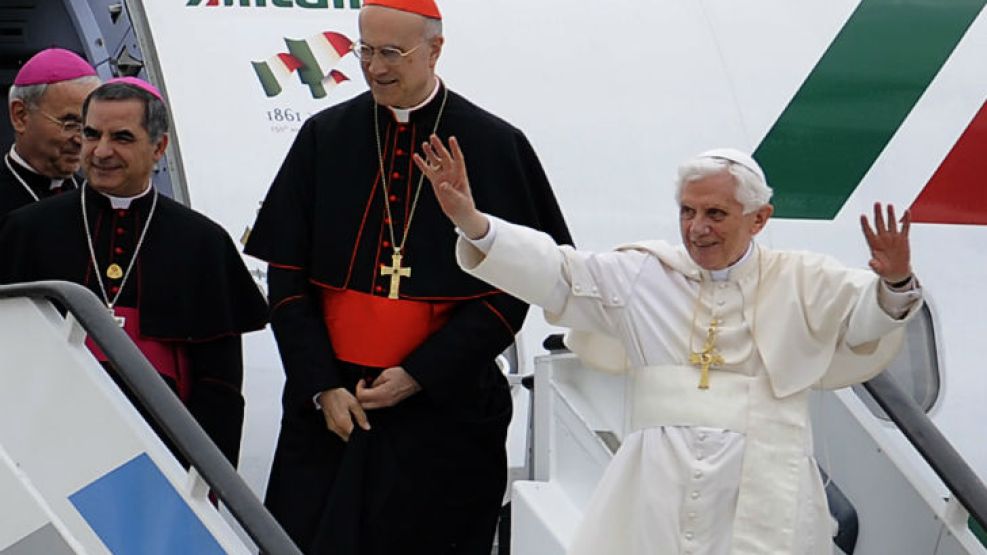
column 403, row 115
column 55, row 183
column 123, row 203
column 724, row 274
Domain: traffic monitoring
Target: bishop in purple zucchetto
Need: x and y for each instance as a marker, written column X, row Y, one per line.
column 52, row 66
column 139, row 83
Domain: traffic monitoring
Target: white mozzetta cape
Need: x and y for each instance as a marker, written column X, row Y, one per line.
column 792, row 321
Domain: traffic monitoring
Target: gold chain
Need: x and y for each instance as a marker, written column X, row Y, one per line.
column 383, row 178
column 757, row 299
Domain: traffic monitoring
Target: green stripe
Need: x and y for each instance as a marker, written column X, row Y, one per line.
column 855, row 99
column 978, row 531
column 310, row 73
column 267, row 78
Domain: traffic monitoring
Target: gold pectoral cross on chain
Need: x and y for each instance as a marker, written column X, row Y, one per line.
column 707, row 356
column 396, row 272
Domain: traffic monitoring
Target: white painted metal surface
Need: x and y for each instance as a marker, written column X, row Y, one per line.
column 64, row 425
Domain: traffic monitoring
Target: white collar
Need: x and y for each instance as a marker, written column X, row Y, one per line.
column 724, row 274
column 123, row 203
column 403, row 115
column 55, row 183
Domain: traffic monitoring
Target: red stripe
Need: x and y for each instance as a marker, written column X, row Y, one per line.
column 290, row 62
column 363, row 223
column 956, row 193
column 339, row 42
column 286, row 300
column 503, row 320
column 285, row 267
column 338, row 76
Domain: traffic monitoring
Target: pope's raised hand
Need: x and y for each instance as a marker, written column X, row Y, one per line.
column 446, row 170
column 890, row 254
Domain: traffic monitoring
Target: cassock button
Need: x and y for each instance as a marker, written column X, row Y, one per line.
column 122, row 213
column 396, row 175
column 118, row 250
column 399, row 152
column 720, row 302
column 402, row 128
column 386, row 244
column 688, row 535
column 697, row 474
column 694, row 495
column 387, row 220
column 393, row 198
column 114, row 289
column 120, row 231
column 692, row 515
column 379, row 288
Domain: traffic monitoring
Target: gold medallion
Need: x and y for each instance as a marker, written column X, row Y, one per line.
column 114, row 271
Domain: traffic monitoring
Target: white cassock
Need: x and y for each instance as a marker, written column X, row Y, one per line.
column 728, row 469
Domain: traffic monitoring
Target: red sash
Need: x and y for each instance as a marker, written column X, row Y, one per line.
column 376, row 331
column 167, row 357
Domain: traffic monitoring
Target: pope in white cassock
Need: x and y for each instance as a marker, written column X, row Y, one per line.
column 722, row 339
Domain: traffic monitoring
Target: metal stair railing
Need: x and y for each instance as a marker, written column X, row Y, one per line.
column 166, row 409
column 918, row 428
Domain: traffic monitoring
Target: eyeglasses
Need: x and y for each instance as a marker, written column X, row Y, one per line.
column 388, row 54
column 70, row 127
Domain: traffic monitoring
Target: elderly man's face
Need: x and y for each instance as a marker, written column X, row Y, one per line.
column 42, row 140
column 408, row 81
column 715, row 230
column 117, row 152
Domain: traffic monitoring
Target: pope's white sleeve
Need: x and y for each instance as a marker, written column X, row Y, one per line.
column 898, row 301
column 577, row 289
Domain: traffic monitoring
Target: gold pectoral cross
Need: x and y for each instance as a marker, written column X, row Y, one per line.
column 396, row 272
column 707, row 357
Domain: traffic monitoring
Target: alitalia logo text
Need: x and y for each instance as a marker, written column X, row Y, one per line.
column 310, row 4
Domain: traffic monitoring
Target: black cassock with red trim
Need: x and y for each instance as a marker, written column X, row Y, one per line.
column 431, row 472
column 186, row 301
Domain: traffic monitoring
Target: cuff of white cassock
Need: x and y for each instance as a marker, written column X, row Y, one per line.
column 897, row 298
column 483, row 243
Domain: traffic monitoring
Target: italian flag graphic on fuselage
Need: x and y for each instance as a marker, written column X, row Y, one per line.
column 853, row 103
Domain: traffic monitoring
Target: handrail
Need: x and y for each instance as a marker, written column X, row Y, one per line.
column 961, row 480
column 166, row 409
column 931, row 444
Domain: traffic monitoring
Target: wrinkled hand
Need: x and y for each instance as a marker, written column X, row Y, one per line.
column 340, row 408
column 447, row 172
column 392, row 386
column 889, row 249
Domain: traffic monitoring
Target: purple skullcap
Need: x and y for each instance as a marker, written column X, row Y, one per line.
column 52, row 66
column 139, row 83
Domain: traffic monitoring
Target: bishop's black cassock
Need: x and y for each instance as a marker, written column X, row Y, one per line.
column 186, row 302
column 430, row 475
column 13, row 195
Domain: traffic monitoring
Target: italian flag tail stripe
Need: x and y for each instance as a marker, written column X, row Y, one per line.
column 957, row 192
column 855, row 99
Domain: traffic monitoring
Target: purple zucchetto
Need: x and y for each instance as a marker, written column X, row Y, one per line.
column 52, row 66
column 139, row 83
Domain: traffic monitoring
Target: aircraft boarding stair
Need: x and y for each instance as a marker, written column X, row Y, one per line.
column 80, row 470
column 882, row 503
